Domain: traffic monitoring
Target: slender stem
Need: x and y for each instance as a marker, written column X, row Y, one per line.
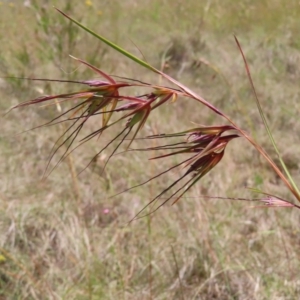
column 262, row 115
column 268, row 158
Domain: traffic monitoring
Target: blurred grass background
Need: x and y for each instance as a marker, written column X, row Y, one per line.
column 63, row 238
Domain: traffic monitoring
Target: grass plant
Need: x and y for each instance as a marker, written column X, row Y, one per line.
column 66, row 237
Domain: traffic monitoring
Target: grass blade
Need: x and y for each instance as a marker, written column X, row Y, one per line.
column 262, row 115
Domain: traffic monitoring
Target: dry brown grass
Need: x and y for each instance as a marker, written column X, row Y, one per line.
column 58, row 244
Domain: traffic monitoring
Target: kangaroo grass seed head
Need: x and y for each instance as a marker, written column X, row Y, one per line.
column 203, row 146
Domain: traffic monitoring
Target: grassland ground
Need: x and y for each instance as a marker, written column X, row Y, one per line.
column 64, row 238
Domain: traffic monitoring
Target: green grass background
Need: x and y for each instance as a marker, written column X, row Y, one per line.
column 58, row 242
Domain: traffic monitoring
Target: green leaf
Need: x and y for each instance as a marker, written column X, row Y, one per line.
column 111, row 44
